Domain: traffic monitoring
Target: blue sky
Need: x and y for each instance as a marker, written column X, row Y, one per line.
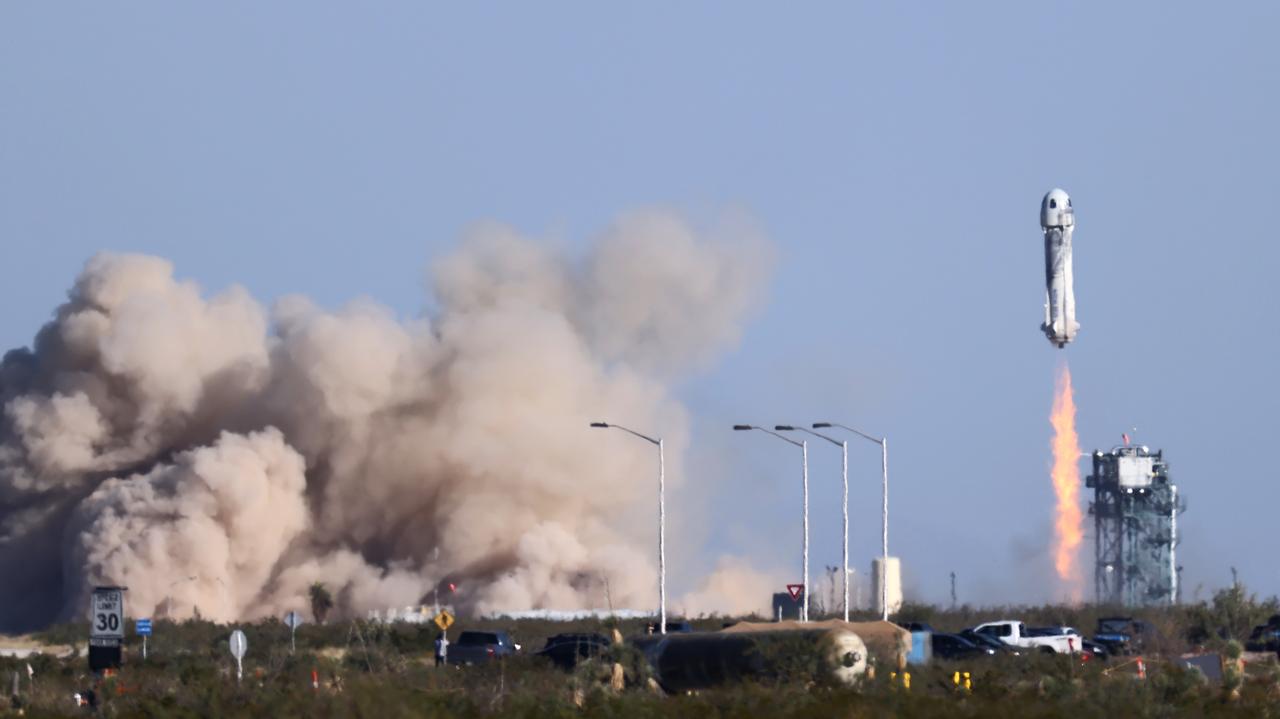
column 894, row 154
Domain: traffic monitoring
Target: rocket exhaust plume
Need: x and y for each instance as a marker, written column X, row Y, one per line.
column 1068, row 520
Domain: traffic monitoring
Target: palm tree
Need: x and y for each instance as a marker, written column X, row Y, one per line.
column 321, row 601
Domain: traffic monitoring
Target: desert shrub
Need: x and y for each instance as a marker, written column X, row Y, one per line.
column 1177, row 685
column 367, row 669
column 1231, row 615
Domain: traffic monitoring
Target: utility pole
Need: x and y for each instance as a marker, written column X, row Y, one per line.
column 662, row 518
column 884, row 508
column 844, row 504
column 435, row 590
column 953, row 590
column 804, row 478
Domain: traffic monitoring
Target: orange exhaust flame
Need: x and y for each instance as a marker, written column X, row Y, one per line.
column 1068, row 522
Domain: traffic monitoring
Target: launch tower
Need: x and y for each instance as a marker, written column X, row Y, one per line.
column 1135, row 512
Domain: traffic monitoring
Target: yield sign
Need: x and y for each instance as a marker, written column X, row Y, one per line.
column 794, row 590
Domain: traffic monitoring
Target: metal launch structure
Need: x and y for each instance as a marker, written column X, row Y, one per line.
column 1135, row 512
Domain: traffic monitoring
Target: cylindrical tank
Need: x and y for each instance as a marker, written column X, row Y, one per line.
column 705, row 659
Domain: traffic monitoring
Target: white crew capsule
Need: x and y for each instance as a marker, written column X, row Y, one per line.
column 1058, row 220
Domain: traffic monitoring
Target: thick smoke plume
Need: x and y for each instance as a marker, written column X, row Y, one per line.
column 218, row 457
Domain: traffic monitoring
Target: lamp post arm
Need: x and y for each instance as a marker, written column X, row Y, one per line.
column 782, row 437
column 819, row 435
column 860, row 433
column 634, row 433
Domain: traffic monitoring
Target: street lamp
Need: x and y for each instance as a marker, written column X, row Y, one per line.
column 168, row 597
column 844, row 473
column 662, row 519
column 804, row 458
column 884, row 510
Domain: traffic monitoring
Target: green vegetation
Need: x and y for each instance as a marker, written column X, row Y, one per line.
column 367, row 669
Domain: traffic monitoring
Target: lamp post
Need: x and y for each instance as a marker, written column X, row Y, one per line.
column 804, row 459
column 168, row 597
column 844, row 474
column 662, row 519
column 884, row 509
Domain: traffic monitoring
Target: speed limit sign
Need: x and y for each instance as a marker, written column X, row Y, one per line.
column 106, row 616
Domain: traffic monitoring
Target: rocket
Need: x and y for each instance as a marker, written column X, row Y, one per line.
column 1058, row 220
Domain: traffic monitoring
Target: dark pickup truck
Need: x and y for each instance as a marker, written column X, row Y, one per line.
column 1125, row 635
column 1265, row 637
column 478, row 647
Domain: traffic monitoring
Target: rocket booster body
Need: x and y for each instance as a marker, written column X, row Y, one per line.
column 1057, row 219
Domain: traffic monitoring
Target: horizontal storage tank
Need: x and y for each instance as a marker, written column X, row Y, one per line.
column 765, row 650
column 699, row 660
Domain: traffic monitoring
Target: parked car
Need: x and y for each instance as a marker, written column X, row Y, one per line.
column 915, row 626
column 1016, row 633
column 475, row 647
column 983, row 640
column 1094, row 650
column 956, row 647
column 567, row 650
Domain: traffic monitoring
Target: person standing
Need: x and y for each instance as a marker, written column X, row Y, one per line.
column 442, row 648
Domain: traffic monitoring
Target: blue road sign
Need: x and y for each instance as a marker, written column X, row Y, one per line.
column 142, row 627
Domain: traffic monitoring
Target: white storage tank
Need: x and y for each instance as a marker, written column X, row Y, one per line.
column 893, row 583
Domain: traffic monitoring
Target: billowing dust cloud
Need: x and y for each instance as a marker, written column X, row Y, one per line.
column 735, row 588
column 1068, row 519
column 219, row 457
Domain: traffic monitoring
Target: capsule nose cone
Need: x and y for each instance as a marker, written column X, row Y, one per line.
column 1056, row 210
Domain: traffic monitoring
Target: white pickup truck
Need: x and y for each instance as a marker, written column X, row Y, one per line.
column 1016, row 634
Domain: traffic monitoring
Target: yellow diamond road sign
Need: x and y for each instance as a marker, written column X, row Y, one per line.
column 444, row 620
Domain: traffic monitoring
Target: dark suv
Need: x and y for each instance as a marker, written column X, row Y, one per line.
column 477, row 647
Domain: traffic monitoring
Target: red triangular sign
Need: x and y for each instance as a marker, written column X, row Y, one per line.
column 794, row 590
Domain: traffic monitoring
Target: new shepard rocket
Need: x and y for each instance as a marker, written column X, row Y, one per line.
column 1058, row 220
